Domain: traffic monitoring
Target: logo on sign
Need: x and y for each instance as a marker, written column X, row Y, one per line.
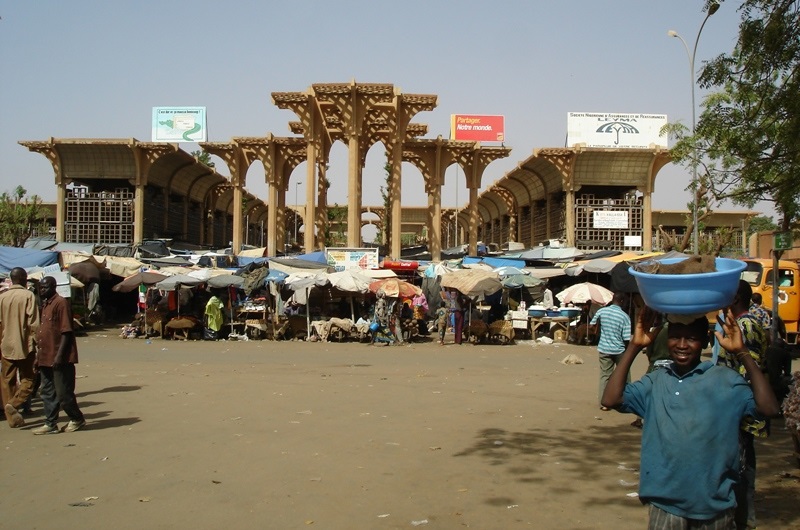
column 617, row 127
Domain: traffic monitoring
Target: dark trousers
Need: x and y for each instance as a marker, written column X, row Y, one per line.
column 458, row 325
column 58, row 393
column 745, row 515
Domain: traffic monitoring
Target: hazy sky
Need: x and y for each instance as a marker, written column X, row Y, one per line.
column 95, row 69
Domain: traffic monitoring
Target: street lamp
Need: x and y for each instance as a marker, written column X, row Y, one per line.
column 296, row 187
column 672, row 33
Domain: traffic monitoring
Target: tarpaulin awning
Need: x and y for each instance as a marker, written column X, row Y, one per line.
column 133, row 281
column 395, row 287
column 604, row 265
column 225, row 280
column 551, row 254
column 294, row 265
column 351, row 281
column 545, row 272
column 179, row 280
column 26, row 258
column 472, row 282
column 495, row 262
column 518, row 281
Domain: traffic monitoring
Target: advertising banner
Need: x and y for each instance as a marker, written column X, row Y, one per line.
column 179, row 124
column 352, row 258
column 616, row 131
column 475, row 128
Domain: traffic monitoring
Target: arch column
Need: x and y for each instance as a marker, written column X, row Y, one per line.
column 405, row 107
column 474, row 164
column 432, row 158
column 659, row 160
column 237, row 164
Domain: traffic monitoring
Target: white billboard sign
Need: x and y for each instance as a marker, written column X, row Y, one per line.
column 610, row 219
column 179, row 124
column 616, row 131
column 352, row 258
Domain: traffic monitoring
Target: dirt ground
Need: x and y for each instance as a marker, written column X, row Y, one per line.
column 292, row 435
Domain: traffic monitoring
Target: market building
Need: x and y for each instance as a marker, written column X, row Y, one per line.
column 125, row 190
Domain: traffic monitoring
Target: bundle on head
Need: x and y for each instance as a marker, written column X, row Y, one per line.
column 691, row 265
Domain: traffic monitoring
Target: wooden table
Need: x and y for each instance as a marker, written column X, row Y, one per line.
column 560, row 322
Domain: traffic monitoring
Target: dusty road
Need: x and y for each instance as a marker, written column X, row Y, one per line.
column 289, row 435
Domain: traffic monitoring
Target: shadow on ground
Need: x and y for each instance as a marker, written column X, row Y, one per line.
column 109, row 389
column 587, row 454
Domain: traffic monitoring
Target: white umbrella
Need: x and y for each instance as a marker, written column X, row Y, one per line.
column 350, row 281
column 583, row 292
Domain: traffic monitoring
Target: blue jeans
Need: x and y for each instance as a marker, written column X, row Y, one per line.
column 58, row 393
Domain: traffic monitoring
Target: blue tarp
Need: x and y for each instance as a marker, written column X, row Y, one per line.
column 26, row 258
column 247, row 260
column 316, row 257
column 275, row 276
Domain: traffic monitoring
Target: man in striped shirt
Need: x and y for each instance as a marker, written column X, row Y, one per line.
column 615, row 333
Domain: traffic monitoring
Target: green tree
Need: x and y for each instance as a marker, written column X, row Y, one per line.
column 762, row 223
column 20, row 217
column 337, row 216
column 748, row 131
column 203, row 157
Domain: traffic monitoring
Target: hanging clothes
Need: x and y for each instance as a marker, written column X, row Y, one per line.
column 213, row 312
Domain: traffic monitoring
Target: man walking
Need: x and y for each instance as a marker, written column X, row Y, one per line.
column 615, row 332
column 58, row 354
column 19, row 321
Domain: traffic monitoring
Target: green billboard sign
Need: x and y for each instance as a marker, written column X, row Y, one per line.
column 783, row 241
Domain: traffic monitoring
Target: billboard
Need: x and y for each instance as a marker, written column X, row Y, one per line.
column 475, row 128
column 616, row 131
column 179, row 124
column 352, row 258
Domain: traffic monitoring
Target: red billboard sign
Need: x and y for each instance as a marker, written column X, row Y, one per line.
column 477, row 128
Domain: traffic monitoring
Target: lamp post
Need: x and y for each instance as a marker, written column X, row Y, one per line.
column 672, row 33
column 296, row 187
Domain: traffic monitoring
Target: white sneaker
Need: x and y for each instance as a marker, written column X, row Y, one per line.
column 46, row 429
column 73, row 426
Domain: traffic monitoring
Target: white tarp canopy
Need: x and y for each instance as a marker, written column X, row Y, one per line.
column 205, row 273
column 352, row 281
column 551, row 254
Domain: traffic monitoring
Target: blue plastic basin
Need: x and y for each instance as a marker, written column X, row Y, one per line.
column 690, row 294
column 569, row 312
column 536, row 313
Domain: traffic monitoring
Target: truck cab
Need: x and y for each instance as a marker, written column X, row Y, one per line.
column 759, row 273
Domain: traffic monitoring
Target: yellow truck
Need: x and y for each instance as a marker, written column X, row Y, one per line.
column 759, row 274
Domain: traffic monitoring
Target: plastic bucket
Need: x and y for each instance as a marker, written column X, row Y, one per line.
column 690, row 294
